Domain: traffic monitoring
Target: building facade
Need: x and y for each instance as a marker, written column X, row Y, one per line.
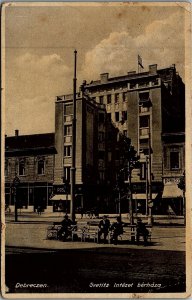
column 147, row 107
column 32, row 159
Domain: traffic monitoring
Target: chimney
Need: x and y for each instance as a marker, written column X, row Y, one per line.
column 153, row 69
column 104, row 77
column 16, row 132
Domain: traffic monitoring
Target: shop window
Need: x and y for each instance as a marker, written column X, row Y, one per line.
column 68, row 130
column 174, row 160
column 41, row 167
column 21, row 168
column 67, row 150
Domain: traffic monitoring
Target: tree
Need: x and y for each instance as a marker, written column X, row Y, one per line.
column 130, row 162
column 181, row 186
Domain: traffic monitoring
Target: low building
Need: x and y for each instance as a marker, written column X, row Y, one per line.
column 32, row 159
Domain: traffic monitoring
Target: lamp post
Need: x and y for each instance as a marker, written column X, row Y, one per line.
column 73, row 166
column 15, row 184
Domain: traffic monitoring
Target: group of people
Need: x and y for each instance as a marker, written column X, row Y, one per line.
column 105, row 227
column 117, row 229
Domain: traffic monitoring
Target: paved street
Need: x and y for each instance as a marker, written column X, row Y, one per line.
column 89, row 267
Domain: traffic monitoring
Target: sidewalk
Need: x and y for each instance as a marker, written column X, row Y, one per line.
column 33, row 235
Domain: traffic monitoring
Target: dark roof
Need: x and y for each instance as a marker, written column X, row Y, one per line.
column 30, row 144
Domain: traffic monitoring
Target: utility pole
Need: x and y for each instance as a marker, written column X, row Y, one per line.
column 130, row 195
column 16, row 182
column 149, row 175
column 73, row 166
column 146, row 170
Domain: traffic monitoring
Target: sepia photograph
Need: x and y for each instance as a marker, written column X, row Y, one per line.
column 95, row 139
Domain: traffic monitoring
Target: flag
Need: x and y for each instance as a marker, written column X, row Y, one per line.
column 140, row 61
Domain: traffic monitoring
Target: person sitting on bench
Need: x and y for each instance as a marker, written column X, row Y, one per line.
column 117, row 229
column 64, row 232
column 104, row 225
column 141, row 230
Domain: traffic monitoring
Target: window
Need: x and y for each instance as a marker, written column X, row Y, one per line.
column 144, row 121
column 124, row 96
column 101, row 155
column 101, row 99
column 101, row 136
column 68, row 130
column 67, row 150
column 116, row 98
column 144, row 99
column 108, row 99
column 101, row 118
column 41, row 167
column 21, row 168
column 109, row 116
column 68, row 109
column 125, row 133
column 174, row 160
column 101, row 175
column 124, row 115
column 143, row 171
column 66, row 174
column 6, row 167
column 117, row 116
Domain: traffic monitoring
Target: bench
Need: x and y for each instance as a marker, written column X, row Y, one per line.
column 130, row 232
column 52, row 231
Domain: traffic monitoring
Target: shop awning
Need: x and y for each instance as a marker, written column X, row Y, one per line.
column 58, row 197
column 143, row 196
column 171, row 190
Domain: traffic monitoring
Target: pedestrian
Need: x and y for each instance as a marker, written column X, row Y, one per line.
column 104, row 226
column 64, row 232
column 117, row 229
column 39, row 210
column 141, row 230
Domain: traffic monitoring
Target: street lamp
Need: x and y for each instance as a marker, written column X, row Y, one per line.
column 15, row 185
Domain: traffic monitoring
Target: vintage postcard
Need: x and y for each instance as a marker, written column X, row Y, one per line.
column 96, row 150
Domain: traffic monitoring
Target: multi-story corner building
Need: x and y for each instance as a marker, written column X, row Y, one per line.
column 32, row 159
column 147, row 107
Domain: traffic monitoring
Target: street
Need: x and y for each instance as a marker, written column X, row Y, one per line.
column 37, row 265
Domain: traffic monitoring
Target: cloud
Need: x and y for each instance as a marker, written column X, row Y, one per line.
column 36, row 115
column 159, row 44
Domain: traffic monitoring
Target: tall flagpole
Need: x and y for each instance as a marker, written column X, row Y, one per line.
column 73, row 167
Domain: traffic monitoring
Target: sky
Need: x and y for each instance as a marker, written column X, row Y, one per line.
column 39, row 51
